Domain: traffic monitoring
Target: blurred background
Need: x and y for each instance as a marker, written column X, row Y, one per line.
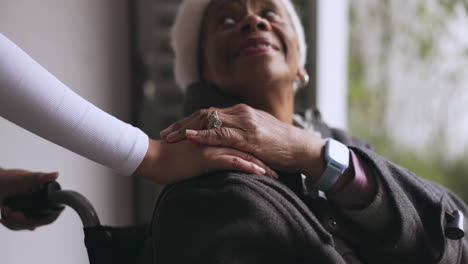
column 392, row 72
column 408, row 84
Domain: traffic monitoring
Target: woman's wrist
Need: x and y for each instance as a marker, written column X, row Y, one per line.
column 311, row 158
column 147, row 166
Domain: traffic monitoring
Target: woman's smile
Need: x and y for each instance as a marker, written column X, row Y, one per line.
column 256, row 46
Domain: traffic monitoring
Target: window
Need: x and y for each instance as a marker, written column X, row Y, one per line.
column 408, row 84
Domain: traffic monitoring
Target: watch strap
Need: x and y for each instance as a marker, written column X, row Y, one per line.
column 328, row 178
column 332, row 171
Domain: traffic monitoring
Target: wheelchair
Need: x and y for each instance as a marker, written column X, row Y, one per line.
column 104, row 244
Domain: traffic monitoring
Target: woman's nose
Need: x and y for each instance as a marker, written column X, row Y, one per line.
column 253, row 22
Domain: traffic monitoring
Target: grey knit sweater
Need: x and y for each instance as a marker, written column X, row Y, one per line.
column 231, row 217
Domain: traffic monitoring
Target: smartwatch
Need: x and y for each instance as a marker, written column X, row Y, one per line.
column 337, row 161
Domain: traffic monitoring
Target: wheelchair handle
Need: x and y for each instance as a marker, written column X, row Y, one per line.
column 51, row 198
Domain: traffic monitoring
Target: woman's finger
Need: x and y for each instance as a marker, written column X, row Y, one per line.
column 27, row 182
column 231, row 159
column 40, row 178
column 228, row 162
column 199, row 121
column 176, row 125
column 164, row 133
column 48, row 219
column 19, row 221
column 177, row 135
column 225, row 137
column 15, row 220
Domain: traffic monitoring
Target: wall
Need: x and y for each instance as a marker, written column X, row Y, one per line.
column 84, row 43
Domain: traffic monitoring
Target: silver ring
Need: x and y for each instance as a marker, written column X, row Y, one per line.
column 214, row 121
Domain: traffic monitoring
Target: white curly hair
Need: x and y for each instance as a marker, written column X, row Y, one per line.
column 186, row 33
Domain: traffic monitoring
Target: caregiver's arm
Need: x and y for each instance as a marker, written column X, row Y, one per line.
column 34, row 99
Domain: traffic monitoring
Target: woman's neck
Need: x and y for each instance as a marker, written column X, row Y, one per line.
column 273, row 99
column 278, row 101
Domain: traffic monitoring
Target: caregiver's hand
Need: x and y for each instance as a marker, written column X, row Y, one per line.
column 167, row 163
column 280, row 145
column 17, row 182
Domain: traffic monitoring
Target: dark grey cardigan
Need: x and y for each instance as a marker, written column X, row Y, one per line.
column 231, row 217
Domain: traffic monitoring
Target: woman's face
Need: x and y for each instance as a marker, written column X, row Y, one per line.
column 247, row 44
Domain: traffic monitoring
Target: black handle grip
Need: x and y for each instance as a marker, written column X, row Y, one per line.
column 36, row 204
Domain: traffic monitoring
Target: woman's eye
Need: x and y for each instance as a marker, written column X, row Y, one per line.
column 269, row 14
column 229, row 21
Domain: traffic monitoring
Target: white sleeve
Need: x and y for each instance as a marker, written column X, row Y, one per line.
column 34, row 99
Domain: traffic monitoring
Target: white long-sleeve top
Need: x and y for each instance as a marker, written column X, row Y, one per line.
column 35, row 100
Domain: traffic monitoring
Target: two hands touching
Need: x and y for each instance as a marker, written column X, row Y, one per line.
column 18, row 182
column 249, row 140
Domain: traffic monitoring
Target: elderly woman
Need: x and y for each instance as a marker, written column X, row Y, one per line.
column 334, row 202
column 240, row 62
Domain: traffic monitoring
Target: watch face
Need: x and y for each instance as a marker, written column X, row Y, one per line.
column 337, row 152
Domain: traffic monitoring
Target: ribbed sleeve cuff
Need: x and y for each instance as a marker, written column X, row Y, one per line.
column 137, row 154
column 360, row 191
column 377, row 216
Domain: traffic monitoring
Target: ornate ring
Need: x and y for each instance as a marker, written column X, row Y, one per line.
column 214, row 121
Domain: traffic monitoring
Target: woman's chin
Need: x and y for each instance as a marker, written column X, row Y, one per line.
column 260, row 66
column 252, row 75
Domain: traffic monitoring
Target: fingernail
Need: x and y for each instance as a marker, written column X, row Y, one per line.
column 190, row 132
column 260, row 170
column 165, row 132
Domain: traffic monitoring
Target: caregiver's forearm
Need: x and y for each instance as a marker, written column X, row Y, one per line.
column 34, row 99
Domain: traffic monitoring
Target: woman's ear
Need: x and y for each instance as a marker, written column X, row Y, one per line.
column 302, row 79
column 303, row 76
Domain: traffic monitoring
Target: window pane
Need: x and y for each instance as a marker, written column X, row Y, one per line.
column 408, row 84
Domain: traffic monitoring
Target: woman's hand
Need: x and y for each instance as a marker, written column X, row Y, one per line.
column 15, row 182
column 280, row 145
column 167, row 163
